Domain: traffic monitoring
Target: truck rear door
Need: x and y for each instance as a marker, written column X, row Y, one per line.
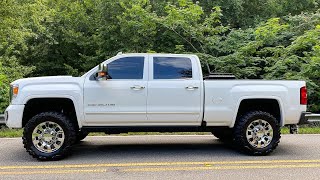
column 174, row 91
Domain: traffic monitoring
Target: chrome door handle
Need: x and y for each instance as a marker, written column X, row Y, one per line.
column 136, row 87
column 191, row 87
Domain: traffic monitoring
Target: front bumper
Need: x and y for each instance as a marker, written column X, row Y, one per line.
column 304, row 118
column 13, row 116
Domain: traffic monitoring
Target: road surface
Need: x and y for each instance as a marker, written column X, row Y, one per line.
column 165, row 157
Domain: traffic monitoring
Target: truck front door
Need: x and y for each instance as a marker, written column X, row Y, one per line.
column 120, row 100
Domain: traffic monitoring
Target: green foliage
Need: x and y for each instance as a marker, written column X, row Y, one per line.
column 276, row 50
column 13, row 35
column 3, row 77
column 191, row 26
column 136, row 21
column 248, row 13
column 253, row 39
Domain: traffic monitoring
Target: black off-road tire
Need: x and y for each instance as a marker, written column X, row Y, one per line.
column 66, row 125
column 240, row 133
column 223, row 134
column 81, row 135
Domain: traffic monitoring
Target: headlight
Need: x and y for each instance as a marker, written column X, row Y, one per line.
column 14, row 90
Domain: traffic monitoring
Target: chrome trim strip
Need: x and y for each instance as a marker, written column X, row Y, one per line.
column 116, row 112
column 142, row 112
column 173, row 113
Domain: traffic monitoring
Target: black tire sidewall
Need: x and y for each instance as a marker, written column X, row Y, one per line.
column 43, row 117
column 250, row 117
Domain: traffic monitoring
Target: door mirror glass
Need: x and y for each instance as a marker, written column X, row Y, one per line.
column 102, row 73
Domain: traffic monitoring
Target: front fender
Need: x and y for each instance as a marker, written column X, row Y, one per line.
column 69, row 91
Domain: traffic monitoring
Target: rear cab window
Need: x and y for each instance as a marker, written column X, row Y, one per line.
column 172, row 68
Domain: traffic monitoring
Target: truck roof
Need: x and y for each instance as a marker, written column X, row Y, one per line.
column 162, row 54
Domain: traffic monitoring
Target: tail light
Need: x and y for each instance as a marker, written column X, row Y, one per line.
column 303, row 95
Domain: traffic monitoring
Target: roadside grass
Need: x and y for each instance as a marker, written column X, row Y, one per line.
column 303, row 130
column 10, row 133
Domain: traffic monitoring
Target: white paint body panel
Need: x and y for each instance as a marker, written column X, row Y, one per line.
column 169, row 103
column 223, row 98
column 51, row 87
column 113, row 102
column 15, row 114
column 161, row 102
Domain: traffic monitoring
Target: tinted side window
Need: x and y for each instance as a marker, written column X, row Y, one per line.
column 126, row 68
column 172, row 68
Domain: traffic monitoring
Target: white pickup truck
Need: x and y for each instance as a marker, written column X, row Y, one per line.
column 152, row 93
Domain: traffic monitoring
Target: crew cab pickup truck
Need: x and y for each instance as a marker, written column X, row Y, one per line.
column 152, row 93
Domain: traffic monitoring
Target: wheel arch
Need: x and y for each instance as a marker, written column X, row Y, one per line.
column 65, row 104
column 246, row 104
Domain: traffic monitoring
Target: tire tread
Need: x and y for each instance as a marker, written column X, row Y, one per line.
column 69, row 141
column 241, row 141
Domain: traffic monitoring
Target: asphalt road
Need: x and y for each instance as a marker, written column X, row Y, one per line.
column 165, row 157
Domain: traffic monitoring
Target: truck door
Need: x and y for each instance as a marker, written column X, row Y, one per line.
column 174, row 91
column 120, row 100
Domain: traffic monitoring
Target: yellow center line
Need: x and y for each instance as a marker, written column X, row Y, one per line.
column 287, row 166
column 158, row 164
column 197, row 168
column 54, row 172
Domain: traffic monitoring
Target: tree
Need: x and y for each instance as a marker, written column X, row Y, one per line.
column 253, row 39
column 12, row 45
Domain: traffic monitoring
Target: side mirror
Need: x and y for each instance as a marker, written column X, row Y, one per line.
column 102, row 73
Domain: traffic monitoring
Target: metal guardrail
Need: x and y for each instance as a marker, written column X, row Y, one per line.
column 2, row 119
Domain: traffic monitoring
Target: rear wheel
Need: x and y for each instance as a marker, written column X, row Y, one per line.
column 257, row 133
column 49, row 136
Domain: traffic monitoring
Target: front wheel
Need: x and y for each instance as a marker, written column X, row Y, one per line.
column 49, row 136
column 257, row 133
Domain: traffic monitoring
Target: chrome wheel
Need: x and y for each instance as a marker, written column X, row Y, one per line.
column 48, row 137
column 259, row 133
